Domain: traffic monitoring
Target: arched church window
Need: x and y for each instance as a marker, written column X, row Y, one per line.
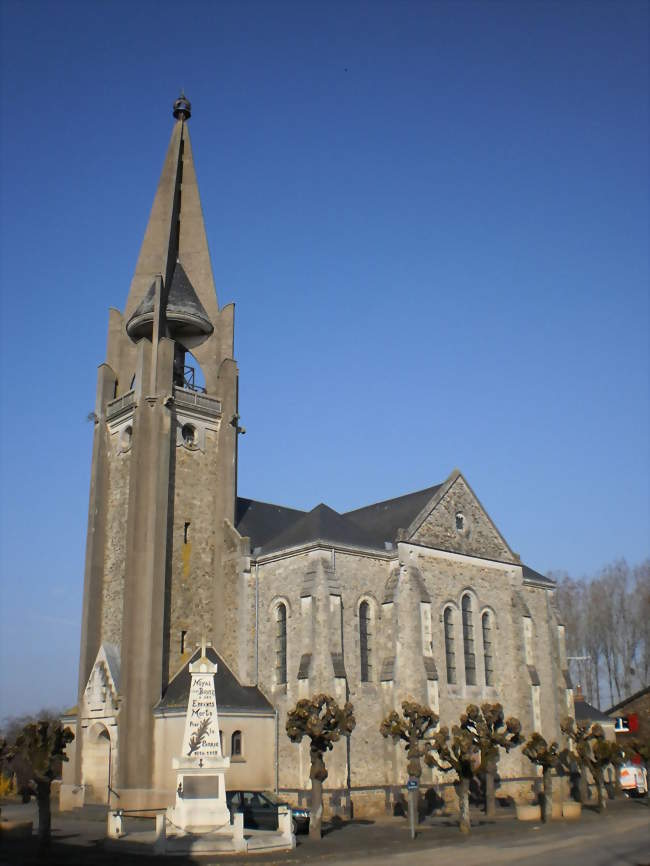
column 364, row 641
column 468, row 641
column 235, row 744
column 281, row 643
column 450, row 649
column 486, row 622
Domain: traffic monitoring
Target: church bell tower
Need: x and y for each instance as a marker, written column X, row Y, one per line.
column 164, row 468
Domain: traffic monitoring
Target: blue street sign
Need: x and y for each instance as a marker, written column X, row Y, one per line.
column 412, row 785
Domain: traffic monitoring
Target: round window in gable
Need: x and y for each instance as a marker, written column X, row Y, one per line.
column 460, row 521
column 188, row 434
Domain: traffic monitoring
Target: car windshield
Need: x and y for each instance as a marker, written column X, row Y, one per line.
column 273, row 798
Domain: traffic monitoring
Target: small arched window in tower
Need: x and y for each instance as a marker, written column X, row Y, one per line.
column 450, row 649
column 486, row 622
column 468, row 641
column 235, row 744
column 281, row 643
column 188, row 432
column 460, row 521
column 364, row 641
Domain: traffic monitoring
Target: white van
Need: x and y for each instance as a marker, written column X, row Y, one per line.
column 633, row 779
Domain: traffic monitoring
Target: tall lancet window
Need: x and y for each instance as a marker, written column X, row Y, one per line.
column 281, row 643
column 468, row 641
column 364, row 642
column 450, row 648
column 486, row 622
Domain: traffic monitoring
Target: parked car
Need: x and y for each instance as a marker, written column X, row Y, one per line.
column 633, row 779
column 260, row 810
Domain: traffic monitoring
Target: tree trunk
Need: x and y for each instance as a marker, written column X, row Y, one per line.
column 316, row 816
column 463, row 799
column 600, row 791
column 44, row 812
column 490, row 800
column 582, row 786
column 547, row 795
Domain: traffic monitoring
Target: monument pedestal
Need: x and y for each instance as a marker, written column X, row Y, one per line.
column 200, row 794
column 200, row 782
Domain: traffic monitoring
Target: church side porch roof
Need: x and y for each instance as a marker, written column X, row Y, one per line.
column 230, row 694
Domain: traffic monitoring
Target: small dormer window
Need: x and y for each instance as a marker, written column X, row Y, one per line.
column 460, row 521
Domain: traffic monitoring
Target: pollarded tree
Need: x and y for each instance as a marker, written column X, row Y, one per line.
column 473, row 748
column 546, row 756
column 411, row 728
column 322, row 720
column 459, row 753
column 42, row 745
column 605, row 753
column 493, row 732
column 576, row 755
column 416, row 721
column 590, row 750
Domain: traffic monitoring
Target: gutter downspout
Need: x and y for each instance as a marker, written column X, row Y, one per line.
column 257, row 619
column 277, row 746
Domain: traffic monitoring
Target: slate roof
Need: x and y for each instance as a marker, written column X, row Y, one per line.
column 262, row 521
column 535, row 576
column 274, row 527
column 639, row 694
column 113, row 661
column 229, row 693
column 322, row 523
column 182, row 301
column 383, row 519
column 587, row 713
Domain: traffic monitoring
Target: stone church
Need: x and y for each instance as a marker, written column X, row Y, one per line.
column 419, row 596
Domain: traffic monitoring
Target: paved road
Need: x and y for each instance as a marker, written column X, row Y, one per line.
column 620, row 837
column 613, row 842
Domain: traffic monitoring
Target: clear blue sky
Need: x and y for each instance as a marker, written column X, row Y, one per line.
column 433, row 219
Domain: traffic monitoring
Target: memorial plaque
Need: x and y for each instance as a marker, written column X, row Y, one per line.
column 197, row 787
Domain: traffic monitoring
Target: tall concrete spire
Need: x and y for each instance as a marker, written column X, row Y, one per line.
column 164, row 460
column 176, row 231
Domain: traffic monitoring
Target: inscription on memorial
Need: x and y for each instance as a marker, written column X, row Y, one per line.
column 202, row 724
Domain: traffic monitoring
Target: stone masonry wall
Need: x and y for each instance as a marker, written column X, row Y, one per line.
column 191, row 594
column 119, row 462
column 478, row 537
column 395, row 617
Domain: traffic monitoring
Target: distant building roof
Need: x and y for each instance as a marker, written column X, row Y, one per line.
column 587, row 713
column 230, row 695
column 629, row 700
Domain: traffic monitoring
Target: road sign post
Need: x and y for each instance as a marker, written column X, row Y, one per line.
column 412, row 787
